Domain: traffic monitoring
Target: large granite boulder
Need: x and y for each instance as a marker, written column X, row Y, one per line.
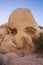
column 7, row 44
column 3, row 33
column 22, row 18
column 19, row 32
column 23, row 23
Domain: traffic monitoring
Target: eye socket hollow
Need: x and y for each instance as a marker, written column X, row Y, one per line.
column 30, row 30
column 12, row 31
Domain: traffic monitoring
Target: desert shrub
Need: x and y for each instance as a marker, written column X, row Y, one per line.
column 39, row 43
column 40, row 27
column 22, row 54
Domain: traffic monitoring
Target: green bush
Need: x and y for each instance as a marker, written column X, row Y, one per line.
column 39, row 43
column 40, row 27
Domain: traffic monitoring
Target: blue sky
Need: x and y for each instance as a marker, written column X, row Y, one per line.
column 7, row 6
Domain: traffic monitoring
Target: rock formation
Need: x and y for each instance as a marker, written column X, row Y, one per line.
column 22, row 18
column 15, row 60
column 19, row 31
column 16, row 37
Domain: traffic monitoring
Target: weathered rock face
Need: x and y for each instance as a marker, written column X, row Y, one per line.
column 23, row 22
column 17, row 34
column 7, row 44
column 3, row 33
column 16, row 38
column 4, row 25
column 22, row 18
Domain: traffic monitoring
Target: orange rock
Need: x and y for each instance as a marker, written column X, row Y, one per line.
column 7, row 44
column 22, row 18
column 19, row 31
column 4, row 25
column 3, row 33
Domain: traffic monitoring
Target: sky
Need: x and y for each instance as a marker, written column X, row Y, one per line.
column 7, row 6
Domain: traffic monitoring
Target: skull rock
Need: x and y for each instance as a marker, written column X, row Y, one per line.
column 25, row 25
column 22, row 18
